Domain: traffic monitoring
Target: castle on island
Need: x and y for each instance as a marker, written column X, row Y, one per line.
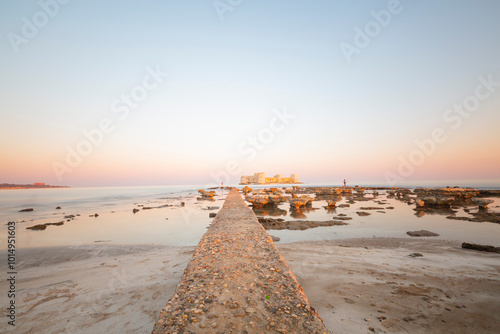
column 260, row 178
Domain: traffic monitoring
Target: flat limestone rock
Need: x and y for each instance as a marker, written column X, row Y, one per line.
column 238, row 282
column 482, row 248
column 281, row 224
column 422, row 233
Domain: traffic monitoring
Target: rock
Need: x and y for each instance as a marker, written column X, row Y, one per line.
column 482, row 202
column 42, row 227
column 206, row 194
column 339, row 217
column 26, row 210
column 459, row 218
column 436, row 200
column 257, row 201
column 246, row 190
column 69, row 217
column 135, row 210
column 422, row 233
column 96, row 215
column 362, row 213
column 370, row 208
column 39, row 227
column 212, row 214
column 275, row 239
column 482, row 248
column 58, row 208
column 297, row 202
column 415, row 255
column 281, row 224
column 331, row 202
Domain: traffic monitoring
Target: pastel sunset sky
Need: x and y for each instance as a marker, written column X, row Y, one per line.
column 105, row 93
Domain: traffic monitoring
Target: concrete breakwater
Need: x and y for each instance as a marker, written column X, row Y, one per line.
column 238, row 282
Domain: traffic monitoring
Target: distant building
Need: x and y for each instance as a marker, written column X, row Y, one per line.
column 39, row 184
column 260, row 178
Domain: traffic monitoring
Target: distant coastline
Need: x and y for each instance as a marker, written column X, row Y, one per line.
column 12, row 186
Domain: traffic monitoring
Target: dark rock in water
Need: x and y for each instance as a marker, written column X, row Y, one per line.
column 42, row 227
column 95, row 215
column 135, row 210
column 482, row 248
column 26, row 210
column 480, row 217
column 212, row 214
column 275, row 239
column 362, row 213
column 459, row 218
column 281, row 224
column 344, row 205
column 422, row 233
column 415, row 255
column 58, row 208
column 370, row 208
column 343, row 217
column 69, row 216
column 39, row 227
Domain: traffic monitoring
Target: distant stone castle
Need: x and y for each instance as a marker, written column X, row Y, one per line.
column 260, row 178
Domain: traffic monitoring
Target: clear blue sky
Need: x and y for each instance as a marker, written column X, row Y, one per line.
column 226, row 77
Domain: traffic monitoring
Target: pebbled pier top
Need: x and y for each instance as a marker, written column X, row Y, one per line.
column 238, row 282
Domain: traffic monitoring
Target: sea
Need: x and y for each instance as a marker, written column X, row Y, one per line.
column 177, row 216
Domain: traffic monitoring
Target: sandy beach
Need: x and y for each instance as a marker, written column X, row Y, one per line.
column 356, row 285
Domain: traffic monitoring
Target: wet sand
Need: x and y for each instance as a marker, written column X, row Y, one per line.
column 353, row 284
column 373, row 285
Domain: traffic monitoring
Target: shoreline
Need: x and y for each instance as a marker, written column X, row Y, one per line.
column 122, row 288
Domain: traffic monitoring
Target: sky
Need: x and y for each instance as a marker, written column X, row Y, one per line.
column 117, row 93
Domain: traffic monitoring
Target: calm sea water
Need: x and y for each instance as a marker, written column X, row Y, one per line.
column 178, row 226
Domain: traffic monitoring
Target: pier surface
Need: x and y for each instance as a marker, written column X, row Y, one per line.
column 238, row 282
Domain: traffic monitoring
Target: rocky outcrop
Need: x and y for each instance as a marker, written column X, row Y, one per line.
column 297, row 202
column 422, row 233
column 26, row 210
column 281, row 224
column 482, row 202
column 207, row 194
column 482, row 248
column 331, row 203
column 258, row 201
column 434, row 201
column 363, row 213
column 246, row 190
column 261, row 200
column 41, row 227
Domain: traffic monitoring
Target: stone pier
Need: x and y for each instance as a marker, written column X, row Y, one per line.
column 238, row 282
